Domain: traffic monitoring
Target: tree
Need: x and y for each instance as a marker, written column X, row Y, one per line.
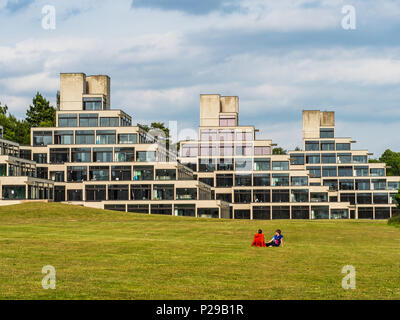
column 14, row 129
column 392, row 159
column 279, row 150
column 41, row 113
column 157, row 126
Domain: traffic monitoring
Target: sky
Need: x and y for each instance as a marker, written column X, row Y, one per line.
column 279, row 57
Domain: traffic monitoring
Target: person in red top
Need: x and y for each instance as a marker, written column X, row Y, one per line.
column 258, row 239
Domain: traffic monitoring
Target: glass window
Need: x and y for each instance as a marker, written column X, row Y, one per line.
column 105, row 137
column 345, row 171
column 40, row 157
column 124, row 154
column 141, row 192
column 363, row 184
column 206, row 165
column 332, row 184
column 279, row 180
column 393, row 185
column 328, row 158
column 208, row 135
column 365, row 213
column 348, row 197
column 126, row 138
column 318, row 197
column 165, row 174
column 74, row 195
column 243, row 180
column 121, row 173
column 262, row 164
column 342, row 146
column 208, row 150
column 360, row 159
column 95, row 192
column 280, row 165
column 67, row 120
column 381, row 198
column 297, row 159
column 261, row 195
column 262, row 180
column 244, row 135
column 225, row 164
column 63, row 137
column 102, row 154
column 141, row 173
column 190, row 150
column 378, row 184
column 81, row 155
column 226, row 135
column 300, row 212
column 262, row 151
column 25, row 154
column 57, row 176
column 13, row 192
column 186, row 194
column 299, row 195
column 243, row 164
column 377, row 172
column 313, row 158
column 60, row 155
column 326, row 132
column 75, row 174
column 361, row 171
column 244, row 150
column 92, row 103
column 146, row 156
column 118, row 192
column 312, row 145
column 320, row 212
column 261, row 213
column 327, row 145
column 163, row 192
column 280, row 195
column 299, row 181
column 344, row 157
column 226, row 150
column 364, row 198
column 315, row 172
column 346, row 184
column 227, row 121
column 329, row 172
column 165, row 209
column 109, row 122
column 84, row 137
column 242, row 196
column 42, row 138
column 224, row 180
column 88, row 120
column 99, row 173
column 280, row 212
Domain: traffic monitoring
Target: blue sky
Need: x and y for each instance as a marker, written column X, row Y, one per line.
column 279, row 57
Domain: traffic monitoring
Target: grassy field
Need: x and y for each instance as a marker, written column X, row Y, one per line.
column 111, row 255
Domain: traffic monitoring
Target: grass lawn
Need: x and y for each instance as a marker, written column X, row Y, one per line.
column 101, row 254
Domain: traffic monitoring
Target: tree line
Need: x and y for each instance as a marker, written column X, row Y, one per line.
column 39, row 114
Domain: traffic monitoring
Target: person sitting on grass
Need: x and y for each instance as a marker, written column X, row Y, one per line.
column 276, row 240
column 258, row 239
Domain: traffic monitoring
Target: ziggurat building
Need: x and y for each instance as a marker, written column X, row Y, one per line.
column 96, row 158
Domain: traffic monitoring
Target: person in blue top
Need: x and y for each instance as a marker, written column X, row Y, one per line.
column 276, row 240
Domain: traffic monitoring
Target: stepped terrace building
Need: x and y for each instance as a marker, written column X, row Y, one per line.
column 95, row 157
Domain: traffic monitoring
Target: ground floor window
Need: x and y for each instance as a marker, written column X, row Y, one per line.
column 208, row 212
column 186, row 194
column 141, row 192
column 382, row 213
column 138, row 208
column 261, row 213
column 242, row 214
column 74, row 195
column 13, row 192
column 118, row 192
column 300, row 212
column 187, row 210
column 59, row 193
column 161, row 209
column 95, row 192
column 281, row 212
column 339, row 214
column 366, row 213
column 164, row 192
column 115, row 207
column 320, row 212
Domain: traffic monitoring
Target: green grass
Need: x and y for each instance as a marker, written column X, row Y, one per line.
column 111, row 255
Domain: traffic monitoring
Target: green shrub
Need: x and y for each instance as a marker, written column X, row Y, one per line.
column 395, row 220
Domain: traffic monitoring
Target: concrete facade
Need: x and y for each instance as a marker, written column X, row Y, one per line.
column 95, row 157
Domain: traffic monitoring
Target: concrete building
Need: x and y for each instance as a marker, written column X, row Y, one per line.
column 95, row 157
